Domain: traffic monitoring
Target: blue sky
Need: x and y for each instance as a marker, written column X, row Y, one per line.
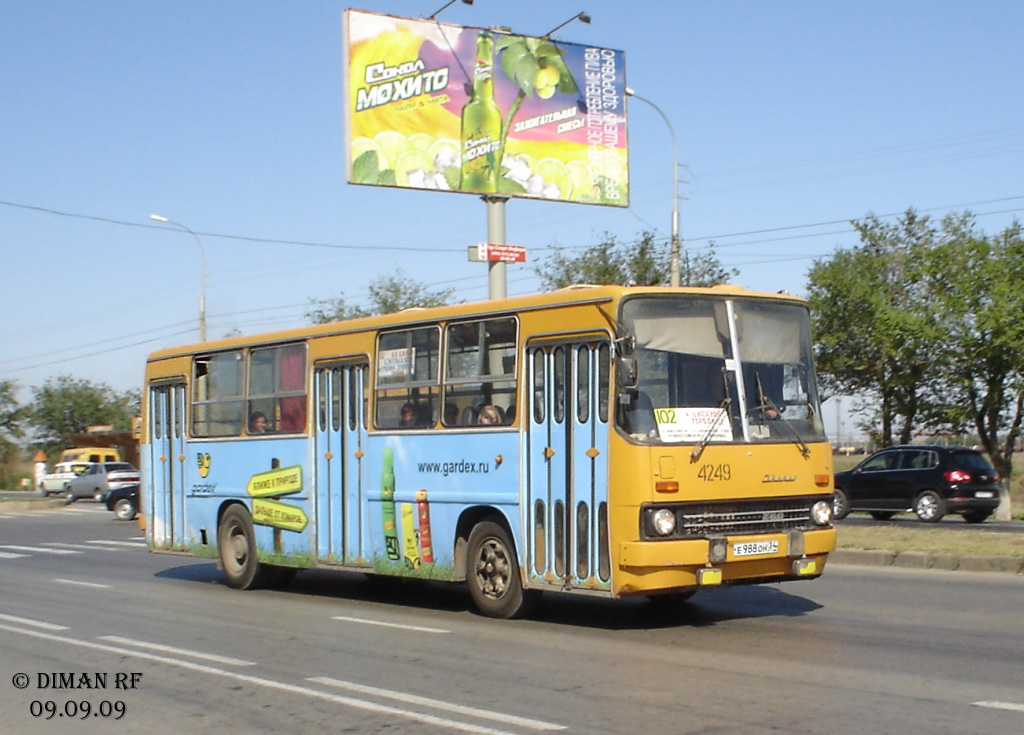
column 227, row 116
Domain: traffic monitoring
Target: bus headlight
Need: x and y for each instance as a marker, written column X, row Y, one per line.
column 664, row 522
column 821, row 513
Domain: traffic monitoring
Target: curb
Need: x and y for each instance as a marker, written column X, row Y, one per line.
column 925, row 560
column 20, row 506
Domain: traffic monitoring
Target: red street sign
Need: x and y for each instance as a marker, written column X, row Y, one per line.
column 503, row 253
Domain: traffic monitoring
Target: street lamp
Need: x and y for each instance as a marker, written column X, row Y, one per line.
column 202, row 273
column 452, row 2
column 674, row 258
column 581, row 17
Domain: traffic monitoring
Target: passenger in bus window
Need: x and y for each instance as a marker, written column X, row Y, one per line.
column 408, row 415
column 451, row 414
column 257, row 423
column 489, row 415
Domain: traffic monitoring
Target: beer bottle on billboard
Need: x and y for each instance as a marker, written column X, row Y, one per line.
column 481, row 124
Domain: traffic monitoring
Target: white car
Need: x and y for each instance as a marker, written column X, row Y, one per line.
column 100, row 479
column 57, row 481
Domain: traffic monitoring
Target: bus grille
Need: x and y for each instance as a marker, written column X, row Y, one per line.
column 721, row 517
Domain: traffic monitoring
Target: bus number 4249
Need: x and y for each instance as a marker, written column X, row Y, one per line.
column 715, row 473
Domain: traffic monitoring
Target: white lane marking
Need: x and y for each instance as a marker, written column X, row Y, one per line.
column 82, row 547
column 36, row 623
column 1012, row 706
column 10, row 555
column 83, row 584
column 416, row 628
column 439, row 704
column 180, row 651
column 133, row 544
column 41, row 549
column 268, row 683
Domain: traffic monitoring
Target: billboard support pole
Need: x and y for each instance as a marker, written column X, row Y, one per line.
column 496, row 270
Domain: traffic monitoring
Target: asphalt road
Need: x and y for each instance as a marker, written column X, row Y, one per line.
column 861, row 650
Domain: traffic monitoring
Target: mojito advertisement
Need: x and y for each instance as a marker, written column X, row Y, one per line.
column 444, row 107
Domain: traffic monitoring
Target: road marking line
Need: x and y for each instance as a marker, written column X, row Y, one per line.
column 41, row 549
column 416, row 628
column 102, row 542
column 1012, row 706
column 36, row 623
column 268, row 683
column 439, row 704
column 83, row 584
column 180, row 651
column 9, row 555
column 64, row 545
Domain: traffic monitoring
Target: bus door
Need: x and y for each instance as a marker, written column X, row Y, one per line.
column 340, row 463
column 166, row 460
column 567, row 465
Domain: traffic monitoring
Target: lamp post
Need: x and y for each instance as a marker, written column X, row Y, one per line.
column 202, row 272
column 452, row 2
column 581, row 17
column 674, row 257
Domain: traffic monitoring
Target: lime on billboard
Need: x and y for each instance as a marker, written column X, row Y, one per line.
column 443, row 107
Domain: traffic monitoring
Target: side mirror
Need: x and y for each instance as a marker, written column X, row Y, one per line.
column 625, row 362
column 625, row 372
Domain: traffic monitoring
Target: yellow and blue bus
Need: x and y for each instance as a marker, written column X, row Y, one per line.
column 597, row 440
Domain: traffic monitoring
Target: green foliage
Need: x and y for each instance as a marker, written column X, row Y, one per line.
column 643, row 263
column 64, row 407
column 388, row 294
column 12, row 420
column 924, row 320
column 12, row 415
column 875, row 327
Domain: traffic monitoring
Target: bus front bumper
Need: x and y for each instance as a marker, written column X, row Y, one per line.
column 652, row 566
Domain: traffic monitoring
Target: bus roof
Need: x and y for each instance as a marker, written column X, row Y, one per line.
column 572, row 295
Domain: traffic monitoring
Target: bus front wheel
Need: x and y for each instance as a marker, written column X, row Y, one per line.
column 236, row 542
column 492, row 573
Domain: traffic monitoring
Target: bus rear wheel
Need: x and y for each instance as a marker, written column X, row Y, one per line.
column 492, row 573
column 236, row 542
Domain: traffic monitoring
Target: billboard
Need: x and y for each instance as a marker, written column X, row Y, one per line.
column 437, row 106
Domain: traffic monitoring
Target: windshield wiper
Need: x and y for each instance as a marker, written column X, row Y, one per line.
column 723, row 412
column 767, row 403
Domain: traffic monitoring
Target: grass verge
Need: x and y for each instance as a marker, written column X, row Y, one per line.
column 931, row 540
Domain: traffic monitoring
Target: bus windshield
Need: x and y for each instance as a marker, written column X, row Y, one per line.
column 710, row 370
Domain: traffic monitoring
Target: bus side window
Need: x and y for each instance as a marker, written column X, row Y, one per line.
column 406, row 395
column 480, row 375
column 217, row 394
column 277, row 387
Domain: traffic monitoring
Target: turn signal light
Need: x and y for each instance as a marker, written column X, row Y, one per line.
column 666, row 486
column 823, row 480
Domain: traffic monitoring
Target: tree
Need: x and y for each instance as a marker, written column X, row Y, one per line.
column 387, row 294
column 643, row 263
column 875, row 329
column 12, row 417
column 976, row 284
column 64, row 407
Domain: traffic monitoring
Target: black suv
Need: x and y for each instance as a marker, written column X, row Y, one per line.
column 929, row 480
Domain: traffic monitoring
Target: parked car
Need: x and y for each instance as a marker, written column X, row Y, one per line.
column 929, row 480
column 100, row 479
column 124, row 501
column 57, row 481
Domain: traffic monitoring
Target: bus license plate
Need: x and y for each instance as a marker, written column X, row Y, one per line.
column 755, row 548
